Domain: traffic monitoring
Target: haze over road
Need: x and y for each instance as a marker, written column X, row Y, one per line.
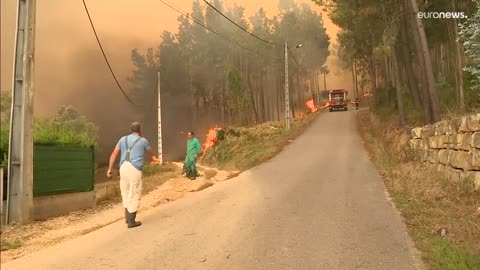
column 320, row 204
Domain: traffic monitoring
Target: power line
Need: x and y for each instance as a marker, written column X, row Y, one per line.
column 239, row 26
column 245, row 30
column 104, row 55
column 294, row 58
column 197, row 21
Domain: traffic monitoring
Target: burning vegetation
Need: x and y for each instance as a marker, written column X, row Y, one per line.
column 253, row 134
column 213, row 136
column 313, row 107
column 241, row 148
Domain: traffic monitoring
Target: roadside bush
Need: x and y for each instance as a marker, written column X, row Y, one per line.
column 66, row 127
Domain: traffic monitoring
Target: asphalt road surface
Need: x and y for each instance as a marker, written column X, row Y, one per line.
column 319, row 204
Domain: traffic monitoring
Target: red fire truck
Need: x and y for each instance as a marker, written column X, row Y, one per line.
column 337, row 100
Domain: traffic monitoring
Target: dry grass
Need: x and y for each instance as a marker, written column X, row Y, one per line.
column 158, row 175
column 246, row 147
column 427, row 199
column 7, row 245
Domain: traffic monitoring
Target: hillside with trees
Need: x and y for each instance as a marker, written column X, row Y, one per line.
column 238, row 82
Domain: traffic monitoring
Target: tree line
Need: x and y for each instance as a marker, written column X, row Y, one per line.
column 417, row 66
column 207, row 80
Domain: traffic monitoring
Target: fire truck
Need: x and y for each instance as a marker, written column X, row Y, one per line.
column 337, row 100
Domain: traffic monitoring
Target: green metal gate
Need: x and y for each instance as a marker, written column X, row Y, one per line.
column 62, row 169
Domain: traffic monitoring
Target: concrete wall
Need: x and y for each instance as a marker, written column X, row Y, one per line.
column 452, row 147
column 55, row 205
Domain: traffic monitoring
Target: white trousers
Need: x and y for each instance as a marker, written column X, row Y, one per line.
column 130, row 186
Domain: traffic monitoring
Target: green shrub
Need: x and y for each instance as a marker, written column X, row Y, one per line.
column 4, row 130
column 66, row 127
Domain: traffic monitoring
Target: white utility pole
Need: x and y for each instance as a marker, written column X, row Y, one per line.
column 160, row 153
column 20, row 158
column 287, row 92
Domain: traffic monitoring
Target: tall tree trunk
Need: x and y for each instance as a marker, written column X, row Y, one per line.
column 447, row 60
column 460, row 61
column 453, row 59
column 311, row 83
column 398, row 88
column 257, row 93
column 278, row 95
column 410, row 24
column 292, row 93
column 299, row 90
column 424, row 51
column 317, row 87
column 404, row 60
column 373, row 77
column 252, row 100
column 265, row 96
column 222, row 100
column 250, row 92
column 324, row 81
column 356, row 77
column 262, row 99
column 353, row 80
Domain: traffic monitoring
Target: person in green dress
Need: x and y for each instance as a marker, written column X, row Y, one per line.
column 193, row 149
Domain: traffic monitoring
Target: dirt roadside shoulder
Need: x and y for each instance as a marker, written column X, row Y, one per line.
column 21, row 240
column 442, row 216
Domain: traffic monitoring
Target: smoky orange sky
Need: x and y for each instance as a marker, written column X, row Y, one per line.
column 64, row 38
column 70, row 69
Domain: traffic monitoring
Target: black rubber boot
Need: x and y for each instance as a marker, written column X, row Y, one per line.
column 131, row 220
column 126, row 215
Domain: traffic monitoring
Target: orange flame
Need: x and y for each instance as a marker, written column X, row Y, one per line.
column 155, row 161
column 211, row 139
column 311, row 105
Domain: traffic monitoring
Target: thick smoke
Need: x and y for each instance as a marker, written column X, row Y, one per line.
column 70, row 69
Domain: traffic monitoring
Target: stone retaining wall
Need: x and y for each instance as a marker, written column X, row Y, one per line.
column 452, row 147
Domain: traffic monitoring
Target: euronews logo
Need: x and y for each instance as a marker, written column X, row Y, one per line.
column 442, row 15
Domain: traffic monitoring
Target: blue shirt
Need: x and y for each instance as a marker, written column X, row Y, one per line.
column 137, row 153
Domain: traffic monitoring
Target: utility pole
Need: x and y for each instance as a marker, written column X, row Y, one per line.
column 160, row 153
column 317, row 87
column 356, row 77
column 287, row 92
column 353, row 79
column 20, row 158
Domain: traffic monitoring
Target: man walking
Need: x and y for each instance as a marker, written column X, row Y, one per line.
column 193, row 148
column 132, row 148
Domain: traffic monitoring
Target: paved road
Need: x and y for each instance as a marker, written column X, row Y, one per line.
column 320, row 204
